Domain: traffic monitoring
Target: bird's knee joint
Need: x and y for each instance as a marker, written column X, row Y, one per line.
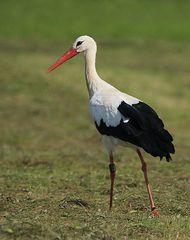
column 144, row 167
column 112, row 167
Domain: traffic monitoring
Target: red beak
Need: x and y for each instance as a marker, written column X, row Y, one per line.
column 66, row 56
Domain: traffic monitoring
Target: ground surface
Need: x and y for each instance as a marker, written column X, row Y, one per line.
column 54, row 178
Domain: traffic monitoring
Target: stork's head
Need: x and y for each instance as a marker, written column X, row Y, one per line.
column 81, row 44
column 84, row 43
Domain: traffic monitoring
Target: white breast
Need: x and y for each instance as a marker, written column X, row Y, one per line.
column 104, row 105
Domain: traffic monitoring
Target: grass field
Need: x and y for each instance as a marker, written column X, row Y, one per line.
column 54, row 177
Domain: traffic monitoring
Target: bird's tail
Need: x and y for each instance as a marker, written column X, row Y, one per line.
column 159, row 144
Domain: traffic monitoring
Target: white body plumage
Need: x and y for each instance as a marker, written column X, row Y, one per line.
column 103, row 105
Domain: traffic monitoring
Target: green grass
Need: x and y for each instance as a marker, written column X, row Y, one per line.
column 54, row 178
column 107, row 20
column 51, row 156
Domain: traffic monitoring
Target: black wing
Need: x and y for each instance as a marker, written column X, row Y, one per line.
column 144, row 129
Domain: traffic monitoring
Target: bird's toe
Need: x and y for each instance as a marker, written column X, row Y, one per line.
column 155, row 212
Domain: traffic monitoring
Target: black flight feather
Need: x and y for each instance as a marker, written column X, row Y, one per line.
column 144, row 129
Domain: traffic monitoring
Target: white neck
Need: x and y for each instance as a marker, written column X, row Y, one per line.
column 93, row 81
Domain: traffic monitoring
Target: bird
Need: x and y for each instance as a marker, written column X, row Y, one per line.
column 121, row 119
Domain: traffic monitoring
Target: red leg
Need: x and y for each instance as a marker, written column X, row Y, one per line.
column 144, row 169
column 112, row 177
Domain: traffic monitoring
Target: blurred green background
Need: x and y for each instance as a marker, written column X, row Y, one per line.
column 106, row 20
column 54, row 178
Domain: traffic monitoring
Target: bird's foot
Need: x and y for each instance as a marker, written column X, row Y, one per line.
column 155, row 212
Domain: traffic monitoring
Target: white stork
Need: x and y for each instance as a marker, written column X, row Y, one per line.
column 120, row 118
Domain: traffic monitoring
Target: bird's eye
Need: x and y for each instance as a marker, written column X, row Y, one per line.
column 79, row 43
